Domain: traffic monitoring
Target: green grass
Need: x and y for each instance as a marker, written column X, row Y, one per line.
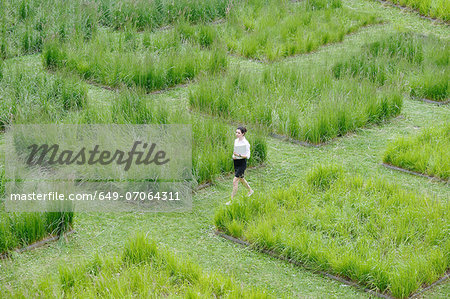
column 426, row 152
column 370, row 231
column 432, row 8
column 416, row 64
column 190, row 233
column 270, row 30
column 39, row 97
column 305, row 103
column 18, row 230
column 25, row 25
column 35, row 96
column 142, row 270
column 150, row 61
column 432, row 84
column 154, row 14
column 212, row 139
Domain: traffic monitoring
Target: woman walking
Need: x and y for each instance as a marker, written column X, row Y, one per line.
column 240, row 155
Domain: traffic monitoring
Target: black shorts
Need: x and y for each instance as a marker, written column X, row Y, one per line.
column 239, row 167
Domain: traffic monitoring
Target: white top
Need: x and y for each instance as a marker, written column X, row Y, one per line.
column 238, row 142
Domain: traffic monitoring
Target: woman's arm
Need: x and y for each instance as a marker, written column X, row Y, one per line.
column 247, row 152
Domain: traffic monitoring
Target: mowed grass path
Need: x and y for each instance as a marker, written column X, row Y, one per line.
column 191, row 233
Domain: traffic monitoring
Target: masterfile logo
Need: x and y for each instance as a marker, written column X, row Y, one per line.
column 98, row 167
column 92, row 157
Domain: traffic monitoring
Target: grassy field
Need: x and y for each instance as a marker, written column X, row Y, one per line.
column 18, row 230
column 139, row 262
column 270, row 30
column 426, row 152
column 357, row 91
column 370, row 231
column 432, row 8
column 320, row 107
column 27, row 24
column 413, row 63
column 208, row 135
column 157, row 60
column 149, row 61
column 190, row 234
column 30, row 95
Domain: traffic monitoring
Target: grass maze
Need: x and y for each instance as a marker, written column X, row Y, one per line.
column 418, row 65
column 150, row 61
column 271, row 30
column 27, row 24
column 213, row 64
column 370, row 231
column 138, row 263
column 305, row 104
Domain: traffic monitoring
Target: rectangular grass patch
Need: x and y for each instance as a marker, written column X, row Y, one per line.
column 426, row 152
column 27, row 24
column 142, row 269
column 418, row 65
column 149, row 60
column 270, row 30
column 305, row 103
column 375, row 233
column 150, row 15
column 18, row 230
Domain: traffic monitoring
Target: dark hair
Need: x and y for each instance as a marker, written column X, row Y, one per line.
column 242, row 129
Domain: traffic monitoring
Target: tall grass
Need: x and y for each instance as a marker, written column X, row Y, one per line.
column 154, row 14
column 402, row 59
column 25, row 25
column 432, row 8
column 150, row 61
column 30, row 96
column 270, row 30
column 301, row 27
column 431, row 84
column 370, row 231
column 303, row 103
column 212, row 140
column 21, row 229
column 426, row 152
column 143, row 269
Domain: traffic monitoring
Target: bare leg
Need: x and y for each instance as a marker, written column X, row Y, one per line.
column 235, row 187
column 246, row 185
